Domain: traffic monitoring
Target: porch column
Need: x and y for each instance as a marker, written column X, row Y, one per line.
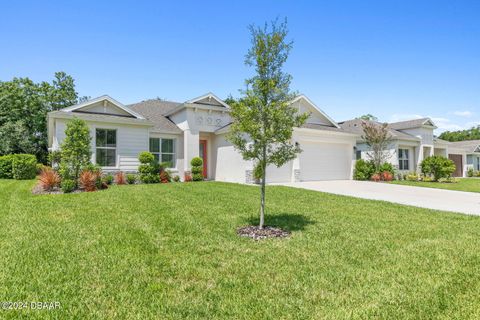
column 191, row 143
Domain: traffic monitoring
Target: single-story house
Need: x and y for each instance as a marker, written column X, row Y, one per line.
column 470, row 150
column 412, row 141
column 175, row 132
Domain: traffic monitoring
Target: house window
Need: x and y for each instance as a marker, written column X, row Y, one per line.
column 359, row 154
column 478, row 163
column 163, row 150
column 106, row 147
column 403, row 159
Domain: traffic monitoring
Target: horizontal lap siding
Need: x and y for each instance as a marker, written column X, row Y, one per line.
column 130, row 142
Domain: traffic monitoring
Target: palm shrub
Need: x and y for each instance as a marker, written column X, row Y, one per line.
column 149, row 169
column 24, row 166
column 197, row 169
column 437, row 167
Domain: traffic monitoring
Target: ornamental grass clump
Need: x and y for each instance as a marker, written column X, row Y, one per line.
column 89, row 180
column 48, row 179
column 120, row 178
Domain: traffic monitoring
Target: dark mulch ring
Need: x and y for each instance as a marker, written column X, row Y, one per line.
column 256, row 233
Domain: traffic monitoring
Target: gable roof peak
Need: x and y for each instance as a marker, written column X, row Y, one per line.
column 208, row 96
column 310, row 102
column 104, row 97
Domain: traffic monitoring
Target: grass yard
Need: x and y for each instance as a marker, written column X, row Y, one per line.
column 465, row 184
column 170, row 252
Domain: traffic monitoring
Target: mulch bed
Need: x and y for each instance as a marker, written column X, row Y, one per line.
column 39, row 190
column 256, row 233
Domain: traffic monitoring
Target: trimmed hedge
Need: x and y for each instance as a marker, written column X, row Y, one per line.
column 6, row 163
column 18, row 166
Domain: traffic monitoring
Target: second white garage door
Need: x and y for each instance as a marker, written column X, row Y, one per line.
column 325, row 161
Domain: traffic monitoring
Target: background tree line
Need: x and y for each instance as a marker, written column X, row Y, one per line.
column 24, row 105
column 461, row 135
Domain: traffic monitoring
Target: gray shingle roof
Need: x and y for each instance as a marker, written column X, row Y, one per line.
column 154, row 111
column 469, row 145
column 355, row 126
column 415, row 123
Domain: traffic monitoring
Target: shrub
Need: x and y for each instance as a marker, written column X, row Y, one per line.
column 54, row 158
column 437, row 167
column 187, row 177
column 24, row 166
column 448, row 180
column 197, row 169
column 149, row 169
column 428, row 179
column 411, row 177
column 176, row 178
column 376, row 177
column 131, row 178
column 6, row 163
column 48, row 179
column 363, row 170
column 387, row 167
column 120, row 178
column 470, row 172
column 477, row 174
column 68, row 185
column 108, row 179
column 75, row 149
column 89, row 180
column 165, row 176
column 386, row 176
column 146, row 157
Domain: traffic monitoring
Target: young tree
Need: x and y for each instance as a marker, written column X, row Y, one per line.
column 75, row 149
column 377, row 137
column 263, row 118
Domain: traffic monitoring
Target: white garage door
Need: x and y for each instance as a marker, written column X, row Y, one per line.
column 282, row 174
column 325, row 161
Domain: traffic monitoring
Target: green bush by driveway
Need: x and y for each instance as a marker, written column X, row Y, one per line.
column 169, row 251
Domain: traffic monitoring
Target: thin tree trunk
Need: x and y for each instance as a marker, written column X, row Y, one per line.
column 262, row 196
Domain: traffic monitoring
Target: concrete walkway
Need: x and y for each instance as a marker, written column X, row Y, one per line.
column 439, row 199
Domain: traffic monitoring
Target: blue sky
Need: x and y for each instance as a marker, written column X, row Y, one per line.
column 394, row 59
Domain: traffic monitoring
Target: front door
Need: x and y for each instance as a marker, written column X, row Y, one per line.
column 203, row 155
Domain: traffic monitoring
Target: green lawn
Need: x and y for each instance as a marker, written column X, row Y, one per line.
column 171, row 252
column 467, row 184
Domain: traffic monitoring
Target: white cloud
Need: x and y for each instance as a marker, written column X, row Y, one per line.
column 465, row 113
column 402, row 117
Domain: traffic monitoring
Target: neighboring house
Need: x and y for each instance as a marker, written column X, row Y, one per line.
column 469, row 150
column 177, row 132
column 410, row 142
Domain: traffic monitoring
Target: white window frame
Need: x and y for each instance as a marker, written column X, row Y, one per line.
column 160, row 153
column 402, row 159
column 109, row 148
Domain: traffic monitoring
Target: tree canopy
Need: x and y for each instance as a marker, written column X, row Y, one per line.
column 461, row 135
column 369, row 117
column 23, row 110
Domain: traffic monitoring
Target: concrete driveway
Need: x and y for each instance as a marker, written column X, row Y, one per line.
column 446, row 200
